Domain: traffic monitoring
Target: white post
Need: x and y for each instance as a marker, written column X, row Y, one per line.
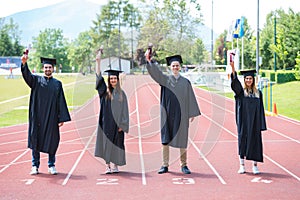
column 242, row 53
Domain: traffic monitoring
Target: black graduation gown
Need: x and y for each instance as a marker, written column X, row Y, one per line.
column 113, row 114
column 250, row 120
column 47, row 108
column 178, row 105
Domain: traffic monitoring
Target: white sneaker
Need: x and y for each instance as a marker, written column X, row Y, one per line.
column 255, row 170
column 34, row 170
column 108, row 170
column 115, row 169
column 242, row 169
column 52, row 170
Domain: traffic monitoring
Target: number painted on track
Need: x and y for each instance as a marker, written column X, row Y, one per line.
column 185, row 181
column 259, row 180
column 28, row 181
column 107, row 181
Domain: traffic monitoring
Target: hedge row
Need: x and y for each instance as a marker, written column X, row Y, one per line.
column 280, row 77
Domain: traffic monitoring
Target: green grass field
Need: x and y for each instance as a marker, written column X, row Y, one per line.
column 79, row 89
column 14, row 99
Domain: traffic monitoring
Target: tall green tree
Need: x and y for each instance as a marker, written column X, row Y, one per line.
column 10, row 38
column 198, row 52
column 81, row 53
column 112, row 18
column 171, row 27
column 287, row 39
column 50, row 43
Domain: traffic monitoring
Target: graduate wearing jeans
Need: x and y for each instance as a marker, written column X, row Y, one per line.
column 47, row 112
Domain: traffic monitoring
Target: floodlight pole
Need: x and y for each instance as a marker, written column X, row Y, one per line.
column 212, row 33
column 275, row 61
column 257, row 40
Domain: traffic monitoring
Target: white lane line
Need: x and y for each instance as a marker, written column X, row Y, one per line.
column 13, row 142
column 24, row 96
column 140, row 138
column 226, row 110
column 293, row 121
column 276, row 163
column 281, row 167
column 207, row 162
column 198, row 150
column 14, row 99
column 12, row 162
column 78, row 159
column 285, row 136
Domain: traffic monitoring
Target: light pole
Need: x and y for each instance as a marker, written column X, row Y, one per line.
column 275, row 43
column 257, row 40
column 212, row 33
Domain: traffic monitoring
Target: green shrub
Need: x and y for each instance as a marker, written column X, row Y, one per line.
column 272, row 76
column 286, row 77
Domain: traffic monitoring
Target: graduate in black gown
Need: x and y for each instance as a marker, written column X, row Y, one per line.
column 113, row 119
column 178, row 106
column 47, row 112
column 250, row 118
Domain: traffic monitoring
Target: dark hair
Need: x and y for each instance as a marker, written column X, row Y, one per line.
column 110, row 89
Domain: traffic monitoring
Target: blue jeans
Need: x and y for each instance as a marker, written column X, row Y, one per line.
column 36, row 159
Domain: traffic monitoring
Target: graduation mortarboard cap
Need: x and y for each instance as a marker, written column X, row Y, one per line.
column 51, row 61
column 113, row 72
column 250, row 72
column 173, row 58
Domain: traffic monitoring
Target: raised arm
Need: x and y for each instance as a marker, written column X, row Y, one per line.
column 236, row 85
column 155, row 73
column 27, row 75
column 98, row 61
column 100, row 83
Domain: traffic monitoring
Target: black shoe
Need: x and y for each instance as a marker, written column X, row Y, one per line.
column 185, row 170
column 163, row 170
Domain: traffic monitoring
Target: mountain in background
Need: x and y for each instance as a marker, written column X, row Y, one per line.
column 73, row 17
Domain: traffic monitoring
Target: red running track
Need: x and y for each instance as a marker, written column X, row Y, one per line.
column 212, row 156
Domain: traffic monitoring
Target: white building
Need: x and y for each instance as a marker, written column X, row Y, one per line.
column 113, row 63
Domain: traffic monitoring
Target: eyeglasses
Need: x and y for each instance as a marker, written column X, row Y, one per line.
column 112, row 78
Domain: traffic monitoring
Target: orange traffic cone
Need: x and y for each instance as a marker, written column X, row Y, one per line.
column 274, row 109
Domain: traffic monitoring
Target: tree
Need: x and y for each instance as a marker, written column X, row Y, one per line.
column 171, row 27
column 51, row 43
column 10, row 38
column 287, row 39
column 198, row 52
column 220, row 49
column 114, row 16
column 81, row 52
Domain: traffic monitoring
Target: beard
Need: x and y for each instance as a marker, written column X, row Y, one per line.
column 48, row 73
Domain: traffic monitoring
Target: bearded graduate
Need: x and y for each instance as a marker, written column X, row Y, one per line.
column 113, row 119
column 47, row 112
column 250, row 119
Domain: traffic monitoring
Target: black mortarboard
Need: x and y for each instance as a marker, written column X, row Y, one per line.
column 250, row 72
column 51, row 61
column 113, row 72
column 173, row 58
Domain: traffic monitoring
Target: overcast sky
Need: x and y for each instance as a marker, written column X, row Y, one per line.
column 224, row 11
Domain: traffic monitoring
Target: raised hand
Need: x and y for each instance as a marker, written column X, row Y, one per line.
column 98, row 59
column 24, row 58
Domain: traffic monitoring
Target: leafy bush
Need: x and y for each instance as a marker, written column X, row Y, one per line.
column 285, row 77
